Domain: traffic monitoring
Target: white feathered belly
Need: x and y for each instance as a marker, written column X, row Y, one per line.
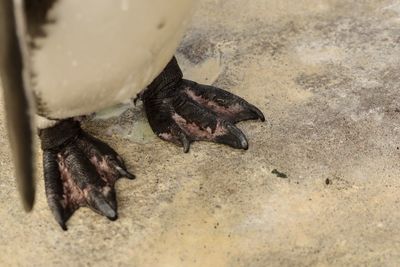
column 101, row 52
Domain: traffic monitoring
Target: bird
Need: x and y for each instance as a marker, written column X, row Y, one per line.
column 61, row 60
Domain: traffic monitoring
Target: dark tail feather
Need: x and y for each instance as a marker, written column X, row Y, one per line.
column 17, row 103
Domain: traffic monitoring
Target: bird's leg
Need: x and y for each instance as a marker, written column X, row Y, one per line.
column 79, row 171
column 182, row 111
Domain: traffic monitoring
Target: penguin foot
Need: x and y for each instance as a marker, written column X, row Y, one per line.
column 182, row 111
column 79, row 171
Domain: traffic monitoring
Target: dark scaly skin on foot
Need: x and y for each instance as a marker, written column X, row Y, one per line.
column 79, row 171
column 182, row 111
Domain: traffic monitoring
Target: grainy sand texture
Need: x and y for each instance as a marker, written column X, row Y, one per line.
column 326, row 75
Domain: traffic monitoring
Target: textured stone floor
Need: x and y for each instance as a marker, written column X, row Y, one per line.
column 326, row 74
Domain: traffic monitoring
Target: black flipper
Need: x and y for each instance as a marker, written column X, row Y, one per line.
column 182, row 111
column 17, row 102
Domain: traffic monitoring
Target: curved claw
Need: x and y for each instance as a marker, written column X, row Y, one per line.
column 185, row 142
column 234, row 138
column 257, row 112
column 98, row 202
column 125, row 173
column 58, row 213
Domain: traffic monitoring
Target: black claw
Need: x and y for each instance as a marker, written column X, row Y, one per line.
column 100, row 204
column 125, row 173
column 257, row 112
column 63, row 226
column 113, row 218
column 58, row 211
column 239, row 140
column 61, row 222
column 185, row 142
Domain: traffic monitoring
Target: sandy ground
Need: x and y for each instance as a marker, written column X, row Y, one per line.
column 326, row 74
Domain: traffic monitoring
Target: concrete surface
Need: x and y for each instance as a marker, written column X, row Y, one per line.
column 326, row 74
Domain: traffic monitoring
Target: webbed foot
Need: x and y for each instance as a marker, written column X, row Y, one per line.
column 182, row 111
column 79, row 171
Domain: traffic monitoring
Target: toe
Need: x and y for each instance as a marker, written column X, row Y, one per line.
column 104, row 158
column 233, row 137
column 98, row 202
column 250, row 112
column 124, row 173
column 185, row 142
column 54, row 189
column 225, row 104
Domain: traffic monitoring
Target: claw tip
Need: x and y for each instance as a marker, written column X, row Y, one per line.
column 184, row 142
column 113, row 218
column 125, row 173
column 131, row 177
column 63, row 226
column 261, row 116
column 245, row 144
